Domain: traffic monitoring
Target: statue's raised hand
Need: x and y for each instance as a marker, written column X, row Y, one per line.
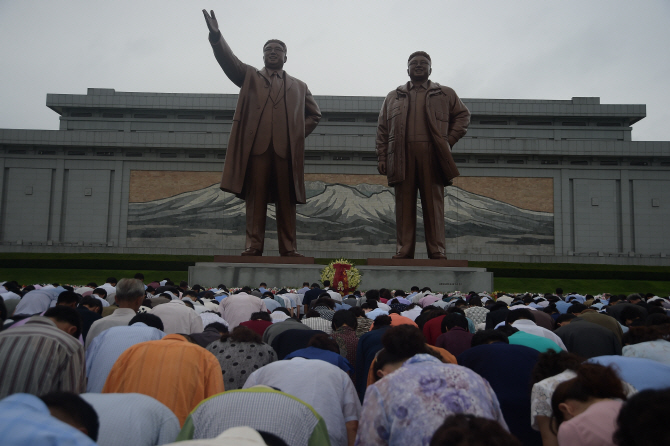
column 212, row 24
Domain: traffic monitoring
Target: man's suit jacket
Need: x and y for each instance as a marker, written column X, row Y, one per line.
column 302, row 113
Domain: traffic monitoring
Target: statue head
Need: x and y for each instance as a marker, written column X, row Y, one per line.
column 274, row 54
column 418, row 66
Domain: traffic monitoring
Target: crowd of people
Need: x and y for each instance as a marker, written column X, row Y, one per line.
column 129, row 363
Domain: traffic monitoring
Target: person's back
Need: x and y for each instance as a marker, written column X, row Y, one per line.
column 261, row 408
column 25, row 420
column 106, row 348
column 641, row 373
column 174, row 371
column 132, row 419
column 321, row 385
column 507, row 368
column 538, row 343
column 178, row 318
column 587, row 339
column 425, row 390
column 39, row 358
column 368, row 346
column 238, row 308
column 37, row 301
column 456, row 341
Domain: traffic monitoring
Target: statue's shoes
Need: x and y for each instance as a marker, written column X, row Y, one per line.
column 251, row 252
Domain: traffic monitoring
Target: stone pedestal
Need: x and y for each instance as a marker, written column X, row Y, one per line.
column 438, row 278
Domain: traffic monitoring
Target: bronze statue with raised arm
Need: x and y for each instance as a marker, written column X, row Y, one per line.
column 419, row 123
column 265, row 156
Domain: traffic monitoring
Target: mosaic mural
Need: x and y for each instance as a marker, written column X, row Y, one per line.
column 344, row 213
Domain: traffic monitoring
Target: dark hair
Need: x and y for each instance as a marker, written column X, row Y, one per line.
column 630, row 312
column 357, row 311
column 371, row 304
column 305, row 284
column 100, row 292
column 342, row 317
column 657, row 318
column 149, row 319
column 325, row 302
column 475, row 301
column 242, row 334
column 188, row 303
column 565, row 317
column 642, row 420
column 551, row 363
column 635, row 335
column 508, row 330
column 76, row 409
column 326, row 283
column 315, row 285
column 218, row 326
column 190, row 293
column 68, row 297
column 66, row 314
column 488, row 337
column 91, row 302
column 382, row 321
column 497, row 306
column 372, row 295
column 271, row 439
column 312, row 313
column 521, row 313
column 3, row 311
column 260, row 316
column 452, row 320
column 324, row 342
column 419, row 53
column 404, row 341
column 559, row 290
column 577, row 308
column 139, row 276
column 592, row 381
column 111, row 280
column 283, row 45
column 469, row 430
column 385, row 293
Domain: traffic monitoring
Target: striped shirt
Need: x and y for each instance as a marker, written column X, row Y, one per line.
column 108, row 346
column 39, row 358
column 319, row 323
column 260, row 408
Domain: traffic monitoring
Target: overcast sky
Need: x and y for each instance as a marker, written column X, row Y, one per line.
column 617, row 50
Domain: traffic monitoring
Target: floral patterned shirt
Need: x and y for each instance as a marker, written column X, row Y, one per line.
column 407, row 406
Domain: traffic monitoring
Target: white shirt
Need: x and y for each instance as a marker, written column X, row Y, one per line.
column 534, row 329
column 111, row 292
column 413, row 313
column 383, row 306
column 178, row 318
column 132, row 418
column 337, row 402
column 335, row 295
column 121, row 316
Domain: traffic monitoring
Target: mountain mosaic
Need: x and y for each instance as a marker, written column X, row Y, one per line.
column 340, row 217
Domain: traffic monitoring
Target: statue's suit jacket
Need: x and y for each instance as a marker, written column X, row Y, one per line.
column 302, row 113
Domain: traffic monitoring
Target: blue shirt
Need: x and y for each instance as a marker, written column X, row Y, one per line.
column 106, row 348
column 339, row 306
column 641, row 373
column 508, row 369
column 324, row 355
column 38, row 301
column 25, row 420
column 562, row 307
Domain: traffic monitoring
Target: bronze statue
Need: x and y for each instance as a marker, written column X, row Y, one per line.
column 265, row 157
column 419, row 123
